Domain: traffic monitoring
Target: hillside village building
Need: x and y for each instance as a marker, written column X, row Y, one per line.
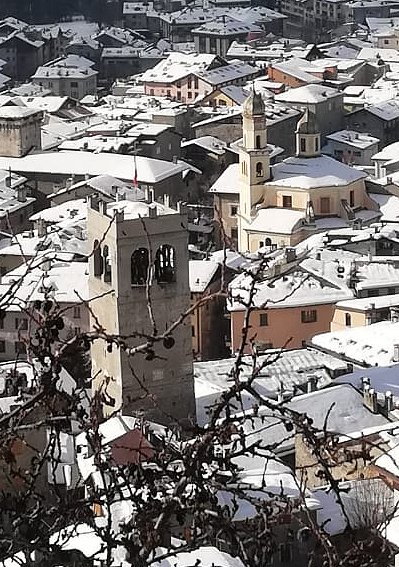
column 19, row 130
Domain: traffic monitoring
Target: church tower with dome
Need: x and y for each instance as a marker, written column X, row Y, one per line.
column 254, row 164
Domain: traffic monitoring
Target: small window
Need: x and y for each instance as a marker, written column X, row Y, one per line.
column 234, row 233
column 192, row 331
column 257, row 142
column 76, row 312
column 263, row 320
column 303, row 145
column 189, row 94
column 352, row 198
column 287, row 201
column 76, row 330
column 309, row 316
column 325, row 205
column 259, row 169
column 151, row 92
column 268, row 242
column 316, row 145
column 233, row 210
column 2, row 346
column 348, row 320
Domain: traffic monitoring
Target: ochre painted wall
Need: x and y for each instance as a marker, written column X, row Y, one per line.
column 283, row 324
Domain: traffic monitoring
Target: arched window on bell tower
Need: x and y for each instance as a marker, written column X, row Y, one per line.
column 257, row 142
column 259, row 169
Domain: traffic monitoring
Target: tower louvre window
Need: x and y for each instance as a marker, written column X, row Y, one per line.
column 97, row 258
column 165, row 264
column 259, row 169
column 139, row 263
column 257, row 142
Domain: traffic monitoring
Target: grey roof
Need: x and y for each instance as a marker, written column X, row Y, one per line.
column 343, row 405
column 292, row 368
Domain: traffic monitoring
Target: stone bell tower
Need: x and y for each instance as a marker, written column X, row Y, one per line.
column 254, row 161
column 139, row 282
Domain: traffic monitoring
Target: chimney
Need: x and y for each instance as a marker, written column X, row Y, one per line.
column 152, row 211
column 174, row 159
column 365, row 383
column 182, row 208
column 396, row 353
column 148, row 196
column 388, row 401
column 103, row 208
column 311, row 384
column 21, row 194
column 373, row 404
column 290, row 255
column 41, row 228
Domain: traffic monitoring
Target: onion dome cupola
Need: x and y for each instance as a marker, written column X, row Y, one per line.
column 307, row 136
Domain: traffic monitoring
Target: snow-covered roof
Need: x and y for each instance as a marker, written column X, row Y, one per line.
column 236, row 93
column 389, row 206
column 352, row 138
column 16, row 112
column 149, row 170
column 200, row 274
column 370, row 345
column 50, row 104
column 177, row 66
column 138, row 209
column 388, row 110
column 227, row 73
column 208, row 143
column 75, row 209
column 226, row 25
column 382, row 379
column 299, row 68
column 277, row 220
column 137, row 7
column 370, row 303
column 308, row 94
column 204, row 556
column 388, row 153
column 339, row 409
column 69, row 281
column 306, row 285
column 309, row 173
column 228, row 181
column 59, row 72
column 292, row 367
column 377, row 53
